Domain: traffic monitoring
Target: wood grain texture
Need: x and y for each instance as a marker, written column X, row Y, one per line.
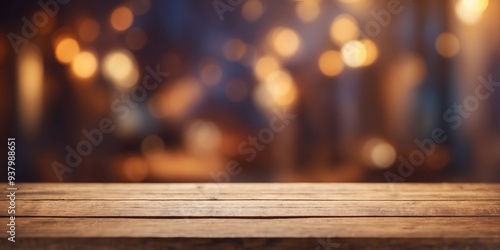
column 256, row 191
column 246, row 208
column 255, row 243
column 255, row 216
column 343, row 227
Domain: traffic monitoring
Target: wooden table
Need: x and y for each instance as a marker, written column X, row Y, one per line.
column 254, row 216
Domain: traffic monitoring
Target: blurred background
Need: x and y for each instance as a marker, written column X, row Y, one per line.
column 363, row 78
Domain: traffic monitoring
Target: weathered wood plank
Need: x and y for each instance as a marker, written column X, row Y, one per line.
column 263, row 191
column 253, row 208
column 256, row 216
column 351, row 227
column 255, row 243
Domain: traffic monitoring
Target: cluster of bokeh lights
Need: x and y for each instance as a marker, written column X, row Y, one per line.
column 275, row 85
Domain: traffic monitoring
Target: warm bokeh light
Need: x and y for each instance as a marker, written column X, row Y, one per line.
column 234, row 49
column 135, row 169
column 177, row 100
column 121, row 18
column 371, row 51
column 470, row 11
column 211, row 72
column 120, row 68
column 379, row 153
column 354, row 54
column 84, row 65
column 30, row 88
column 66, row 50
column 447, row 45
column 383, row 155
column 330, row 63
column 88, row 30
column 252, row 10
column 265, row 66
column 277, row 90
column 407, row 70
column 202, row 137
column 278, row 83
column 403, row 77
column 308, row 10
column 285, row 41
column 343, row 29
column 136, row 38
column 183, row 166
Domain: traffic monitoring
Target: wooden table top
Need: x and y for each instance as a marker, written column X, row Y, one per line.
column 254, row 216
